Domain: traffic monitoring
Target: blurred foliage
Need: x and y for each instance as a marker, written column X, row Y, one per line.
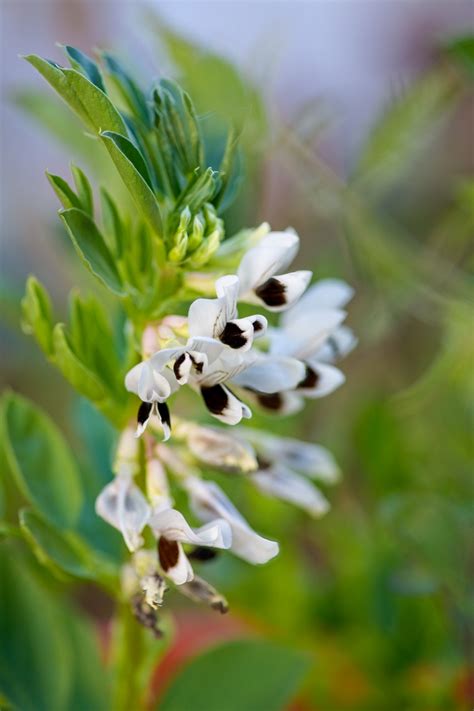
column 379, row 592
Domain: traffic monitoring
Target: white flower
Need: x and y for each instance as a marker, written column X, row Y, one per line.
column 123, row 506
column 261, row 280
column 283, row 461
column 153, row 381
column 208, row 500
column 218, row 318
column 171, row 530
column 311, row 332
column 218, row 398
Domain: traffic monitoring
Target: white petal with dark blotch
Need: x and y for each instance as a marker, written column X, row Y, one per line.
column 270, row 256
column 283, row 483
column 174, row 562
column 283, row 403
column 272, row 374
column 238, row 334
column 328, row 379
column 283, row 290
column 122, row 505
column 336, row 346
column 208, row 500
column 224, row 405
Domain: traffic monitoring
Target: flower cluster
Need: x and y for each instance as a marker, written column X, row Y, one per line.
column 231, row 359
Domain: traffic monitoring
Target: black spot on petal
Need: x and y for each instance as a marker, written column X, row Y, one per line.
column 273, row 401
column 233, row 336
column 144, row 412
column 272, row 292
column 202, row 554
column 263, row 463
column 177, row 365
column 168, row 553
column 257, row 326
column 164, row 412
column 216, row 399
column 310, row 379
column 198, row 365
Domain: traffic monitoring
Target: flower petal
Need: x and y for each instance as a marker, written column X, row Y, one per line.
column 271, row 374
column 305, row 457
column 303, row 336
column 282, row 403
column 279, row 292
column 224, row 405
column 174, row 562
column 172, row 525
column 320, row 380
column 227, row 289
column 207, row 317
column 208, row 500
column 238, row 334
column 217, row 448
column 283, row 483
column 339, row 344
column 326, row 294
column 270, row 256
column 123, row 506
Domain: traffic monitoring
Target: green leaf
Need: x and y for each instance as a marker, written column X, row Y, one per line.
column 87, row 100
column 65, row 193
column 41, row 462
column 131, row 152
column 90, row 689
column 132, row 168
column 35, row 660
column 112, row 223
column 37, row 314
column 85, row 65
column 251, row 675
column 92, row 248
column 74, row 370
column 129, row 90
column 65, row 550
column 84, row 190
column 35, row 455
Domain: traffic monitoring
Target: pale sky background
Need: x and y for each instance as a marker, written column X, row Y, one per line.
column 356, row 54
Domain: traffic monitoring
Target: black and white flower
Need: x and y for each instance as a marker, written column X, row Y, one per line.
column 310, row 332
column 172, row 530
column 218, row 318
column 155, row 379
column 261, row 273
